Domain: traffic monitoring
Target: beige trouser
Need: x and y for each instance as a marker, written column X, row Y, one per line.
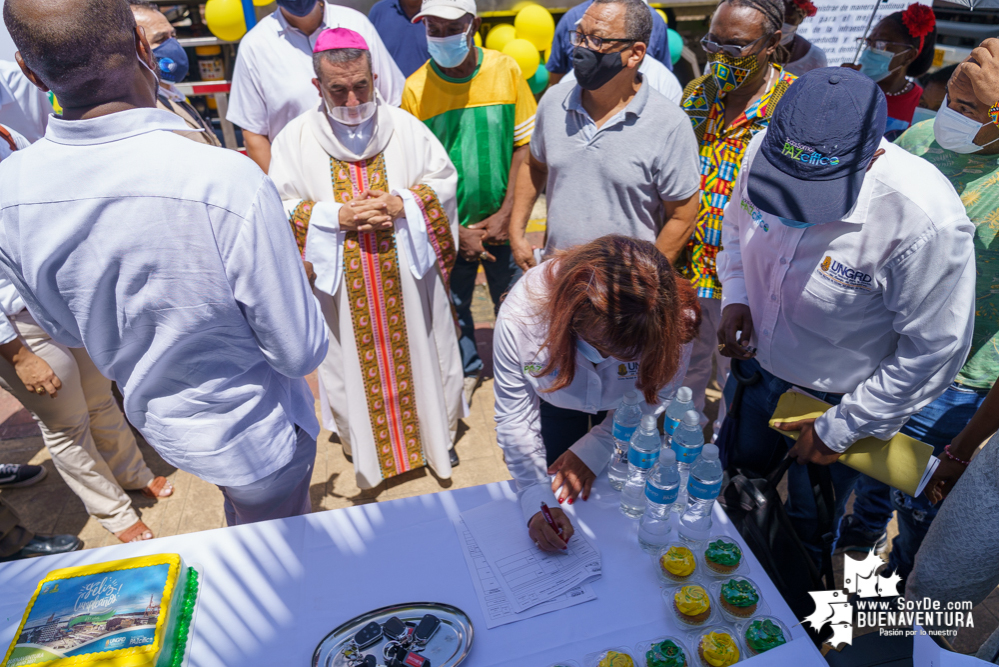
column 90, row 442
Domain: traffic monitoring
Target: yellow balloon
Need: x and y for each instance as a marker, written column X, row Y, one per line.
column 262, row 3
column 225, row 19
column 535, row 24
column 478, row 38
column 526, row 55
column 662, row 14
column 500, row 36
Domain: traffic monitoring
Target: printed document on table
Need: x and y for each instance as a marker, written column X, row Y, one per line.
column 495, row 604
column 526, row 574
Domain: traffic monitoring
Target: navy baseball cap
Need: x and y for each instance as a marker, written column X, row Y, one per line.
column 820, row 140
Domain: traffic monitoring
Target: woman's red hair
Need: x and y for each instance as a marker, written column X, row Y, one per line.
column 623, row 296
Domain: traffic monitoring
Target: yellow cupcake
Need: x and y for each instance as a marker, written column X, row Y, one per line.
column 615, row 659
column 692, row 604
column 718, row 649
column 678, row 563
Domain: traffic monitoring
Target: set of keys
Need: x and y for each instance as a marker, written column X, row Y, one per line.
column 405, row 641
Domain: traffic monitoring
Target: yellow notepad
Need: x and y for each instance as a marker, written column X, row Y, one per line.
column 902, row 462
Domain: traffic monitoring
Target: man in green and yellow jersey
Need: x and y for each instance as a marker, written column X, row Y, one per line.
column 477, row 102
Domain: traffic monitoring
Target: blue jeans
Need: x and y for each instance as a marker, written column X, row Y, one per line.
column 761, row 449
column 936, row 425
column 500, row 277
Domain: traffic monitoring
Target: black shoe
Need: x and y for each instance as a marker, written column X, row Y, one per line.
column 853, row 537
column 46, row 545
column 13, row 475
column 454, row 457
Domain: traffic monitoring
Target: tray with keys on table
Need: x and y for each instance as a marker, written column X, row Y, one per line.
column 416, row 634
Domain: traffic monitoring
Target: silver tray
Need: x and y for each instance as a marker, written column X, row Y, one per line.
column 448, row 647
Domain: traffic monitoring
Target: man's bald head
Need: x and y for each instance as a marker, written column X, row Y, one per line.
column 82, row 50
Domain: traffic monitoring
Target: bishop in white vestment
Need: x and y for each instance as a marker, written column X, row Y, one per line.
column 391, row 383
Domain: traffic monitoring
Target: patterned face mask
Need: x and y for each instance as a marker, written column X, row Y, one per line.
column 731, row 72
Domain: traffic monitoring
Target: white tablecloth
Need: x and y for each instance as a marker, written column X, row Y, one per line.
column 273, row 590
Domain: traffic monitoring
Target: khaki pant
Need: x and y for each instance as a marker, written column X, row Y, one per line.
column 90, row 442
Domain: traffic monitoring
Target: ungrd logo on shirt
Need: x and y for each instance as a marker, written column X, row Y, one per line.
column 840, row 274
column 627, row 371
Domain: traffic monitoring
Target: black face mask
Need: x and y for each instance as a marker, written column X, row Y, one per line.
column 594, row 69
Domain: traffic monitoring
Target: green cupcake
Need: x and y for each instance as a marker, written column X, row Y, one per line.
column 665, row 654
column 723, row 556
column 739, row 597
column 763, row 635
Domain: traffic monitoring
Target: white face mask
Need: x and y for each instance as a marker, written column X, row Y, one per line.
column 588, row 351
column 921, row 114
column 354, row 115
column 787, row 33
column 956, row 132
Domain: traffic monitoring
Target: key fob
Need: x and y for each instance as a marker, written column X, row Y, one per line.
column 426, row 629
column 368, row 635
column 369, row 661
column 404, row 658
column 395, row 630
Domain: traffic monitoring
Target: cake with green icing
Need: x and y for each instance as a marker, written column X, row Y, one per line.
column 135, row 612
column 739, row 597
column 723, row 556
column 665, row 654
column 763, row 635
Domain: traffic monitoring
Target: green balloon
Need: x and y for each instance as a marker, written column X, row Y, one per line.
column 675, row 44
column 539, row 81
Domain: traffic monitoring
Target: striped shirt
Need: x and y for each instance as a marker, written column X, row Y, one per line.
column 480, row 120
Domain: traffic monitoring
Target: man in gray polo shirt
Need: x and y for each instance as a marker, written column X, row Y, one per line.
column 618, row 157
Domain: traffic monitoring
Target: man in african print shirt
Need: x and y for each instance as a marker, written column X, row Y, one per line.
column 727, row 108
column 370, row 193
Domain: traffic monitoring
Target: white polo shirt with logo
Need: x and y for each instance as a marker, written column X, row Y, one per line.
column 878, row 306
column 518, row 338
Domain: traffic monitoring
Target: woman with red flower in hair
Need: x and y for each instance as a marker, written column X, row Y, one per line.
column 899, row 49
column 574, row 335
column 803, row 55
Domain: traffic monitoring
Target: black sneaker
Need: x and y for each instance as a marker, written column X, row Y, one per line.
column 454, row 457
column 14, row 475
column 46, row 545
column 853, row 537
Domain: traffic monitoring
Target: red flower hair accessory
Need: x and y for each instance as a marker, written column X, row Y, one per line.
column 805, row 6
column 920, row 21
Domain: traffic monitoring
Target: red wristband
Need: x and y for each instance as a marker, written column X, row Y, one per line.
column 954, row 458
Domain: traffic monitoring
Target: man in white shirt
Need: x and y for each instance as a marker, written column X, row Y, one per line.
column 272, row 83
column 848, row 265
column 186, row 290
column 23, row 108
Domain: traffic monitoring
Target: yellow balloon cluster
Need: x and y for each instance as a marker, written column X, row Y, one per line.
column 532, row 32
column 225, row 19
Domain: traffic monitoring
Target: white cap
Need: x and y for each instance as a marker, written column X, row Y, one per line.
column 649, row 422
column 631, row 397
column 691, row 418
column 667, row 456
column 684, row 394
column 449, row 10
column 710, row 452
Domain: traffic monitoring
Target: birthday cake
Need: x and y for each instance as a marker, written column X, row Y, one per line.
column 135, row 612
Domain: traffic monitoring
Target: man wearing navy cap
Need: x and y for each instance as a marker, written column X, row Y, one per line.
column 848, row 265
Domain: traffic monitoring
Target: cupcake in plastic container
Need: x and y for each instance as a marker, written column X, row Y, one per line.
column 764, row 633
column 676, row 563
column 665, row 652
column 722, row 555
column 716, row 647
column 691, row 604
column 617, row 656
column 738, row 598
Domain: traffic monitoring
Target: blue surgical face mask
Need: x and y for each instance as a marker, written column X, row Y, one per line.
column 450, row 51
column 876, row 63
column 589, row 351
column 797, row 224
column 297, row 8
column 921, row 114
column 172, row 60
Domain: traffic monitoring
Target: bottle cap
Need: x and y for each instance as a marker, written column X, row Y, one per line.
column 631, row 397
column 649, row 422
column 691, row 418
column 710, row 452
column 667, row 456
column 684, row 394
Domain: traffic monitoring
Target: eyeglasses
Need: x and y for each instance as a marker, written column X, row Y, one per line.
column 592, row 41
column 882, row 45
column 710, row 46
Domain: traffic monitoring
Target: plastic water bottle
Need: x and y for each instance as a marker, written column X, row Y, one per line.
column 661, row 490
column 687, row 441
column 677, row 409
column 642, row 455
column 627, row 417
column 703, row 487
